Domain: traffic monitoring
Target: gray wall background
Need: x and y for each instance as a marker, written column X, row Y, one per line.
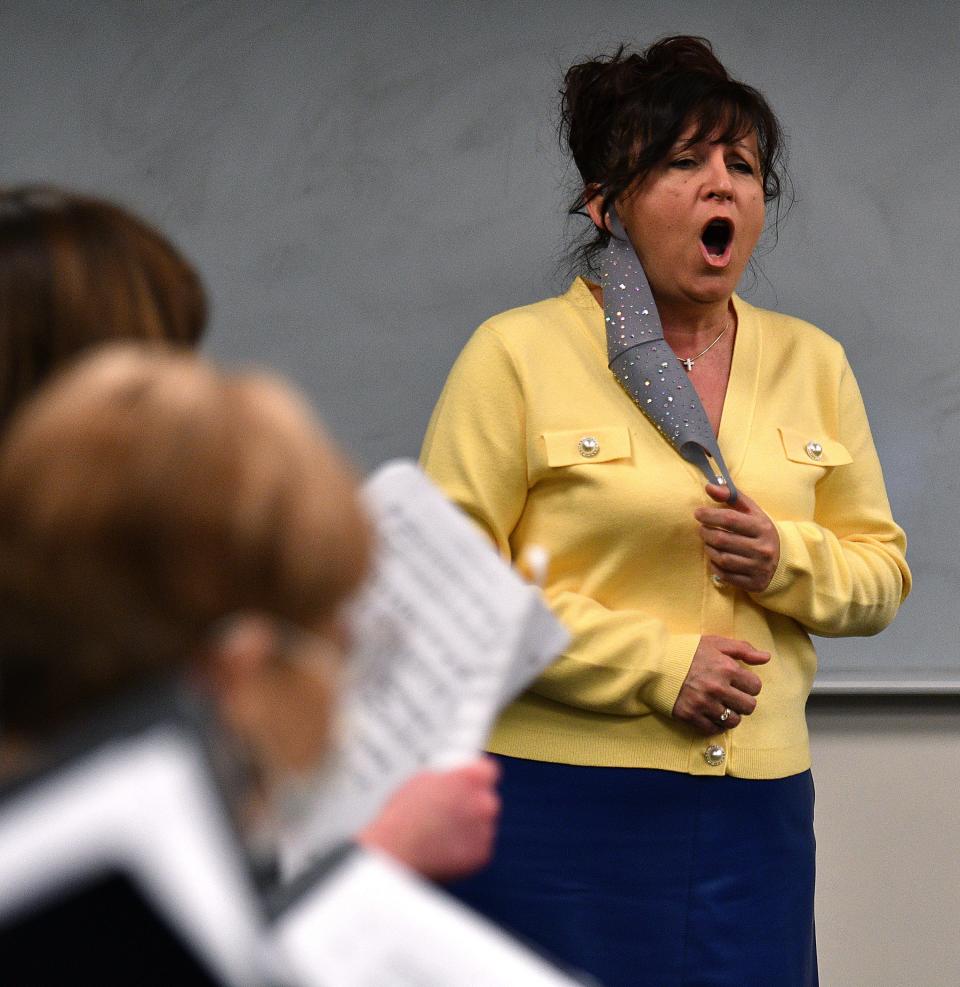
column 362, row 183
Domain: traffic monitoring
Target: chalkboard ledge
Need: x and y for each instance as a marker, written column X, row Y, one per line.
column 838, row 686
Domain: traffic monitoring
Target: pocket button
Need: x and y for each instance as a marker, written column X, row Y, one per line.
column 814, row 450
column 588, row 447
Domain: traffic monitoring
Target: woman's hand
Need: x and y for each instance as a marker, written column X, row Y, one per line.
column 440, row 823
column 742, row 543
column 718, row 682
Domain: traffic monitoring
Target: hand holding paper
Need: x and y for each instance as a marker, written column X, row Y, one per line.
column 441, row 824
column 444, row 635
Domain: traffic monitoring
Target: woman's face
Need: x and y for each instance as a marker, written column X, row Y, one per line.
column 298, row 692
column 695, row 220
column 276, row 688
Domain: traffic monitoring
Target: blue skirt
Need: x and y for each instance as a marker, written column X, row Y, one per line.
column 642, row 877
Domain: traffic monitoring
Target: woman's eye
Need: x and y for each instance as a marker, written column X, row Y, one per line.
column 683, row 163
column 744, row 167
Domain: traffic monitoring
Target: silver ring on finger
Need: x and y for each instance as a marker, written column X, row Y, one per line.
column 726, row 714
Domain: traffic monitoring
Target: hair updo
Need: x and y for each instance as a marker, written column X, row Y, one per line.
column 622, row 115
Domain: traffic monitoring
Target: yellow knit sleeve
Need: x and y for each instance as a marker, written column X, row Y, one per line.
column 845, row 572
column 620, row 662
column 475, row 444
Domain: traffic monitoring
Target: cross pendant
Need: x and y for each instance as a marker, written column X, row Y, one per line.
column 688, row 364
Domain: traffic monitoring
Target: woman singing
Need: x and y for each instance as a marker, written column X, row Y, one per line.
column 658, row 802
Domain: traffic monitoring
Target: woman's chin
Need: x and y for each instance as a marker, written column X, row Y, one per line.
column 702, row 284
column 710, row 290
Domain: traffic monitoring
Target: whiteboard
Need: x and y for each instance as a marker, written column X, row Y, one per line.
column 362, row 183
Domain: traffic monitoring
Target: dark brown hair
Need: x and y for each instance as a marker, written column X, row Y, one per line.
column 621, row 116
column 145, row 497
column 76, row 271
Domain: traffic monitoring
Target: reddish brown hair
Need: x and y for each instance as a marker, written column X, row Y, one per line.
column 144, row 498
column 76, row 271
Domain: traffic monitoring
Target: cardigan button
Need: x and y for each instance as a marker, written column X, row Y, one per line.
column 717, row 581
column 814, row 450
column 714, row 755
column 588, row 447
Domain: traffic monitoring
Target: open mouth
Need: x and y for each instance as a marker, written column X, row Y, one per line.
column 716, row 237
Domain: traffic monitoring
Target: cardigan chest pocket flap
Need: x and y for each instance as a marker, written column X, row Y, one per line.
column 813, row 448
column 587, row 445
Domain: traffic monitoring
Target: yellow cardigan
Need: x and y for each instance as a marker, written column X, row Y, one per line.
column 628, row 574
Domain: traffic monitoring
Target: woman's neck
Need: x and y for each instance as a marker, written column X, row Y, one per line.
column 688, row 327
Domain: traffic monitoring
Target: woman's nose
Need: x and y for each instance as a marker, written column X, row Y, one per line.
column 718, row 184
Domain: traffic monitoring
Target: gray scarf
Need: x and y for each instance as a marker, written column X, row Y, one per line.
column 646, row 367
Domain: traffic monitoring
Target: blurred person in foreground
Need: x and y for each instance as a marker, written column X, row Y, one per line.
column 158, row 518
column 77, row 272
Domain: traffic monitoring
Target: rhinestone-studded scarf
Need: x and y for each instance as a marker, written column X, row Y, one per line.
column 647, row 369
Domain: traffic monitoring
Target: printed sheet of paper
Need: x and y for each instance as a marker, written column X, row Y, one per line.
column 370, row 923
column 443, row 636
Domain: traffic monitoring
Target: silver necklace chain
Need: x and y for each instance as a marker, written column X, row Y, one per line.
column 689, row 361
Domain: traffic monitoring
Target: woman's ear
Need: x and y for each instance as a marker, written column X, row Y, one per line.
column 593, row 203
